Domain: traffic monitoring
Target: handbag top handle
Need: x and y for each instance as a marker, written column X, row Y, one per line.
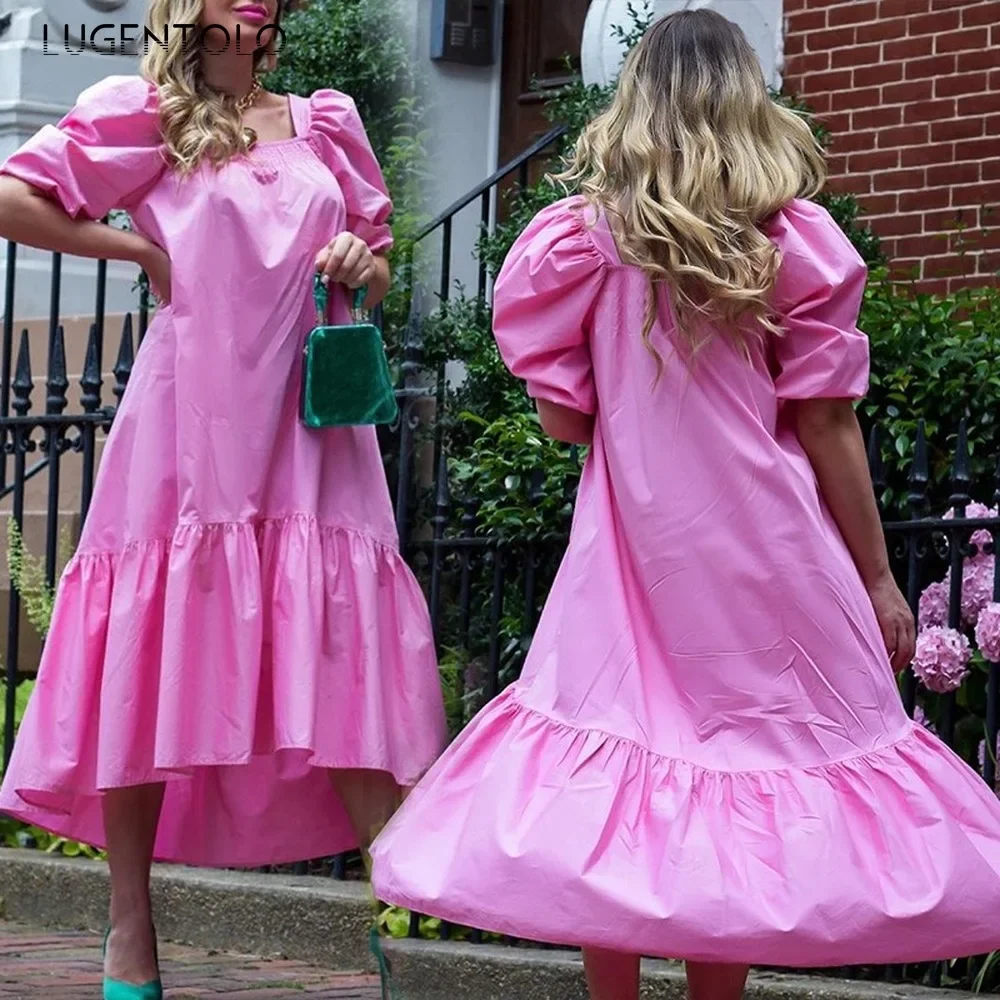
column 321, row 298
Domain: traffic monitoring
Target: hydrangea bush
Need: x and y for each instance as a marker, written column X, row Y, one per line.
column 951, row 658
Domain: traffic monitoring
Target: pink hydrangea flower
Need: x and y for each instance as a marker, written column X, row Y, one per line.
column 941, row 659
column 934, row 605
column 988, row 632
column 977, row 587
column 982, row 537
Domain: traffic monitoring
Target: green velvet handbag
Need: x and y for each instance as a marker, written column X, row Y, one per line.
column 345, row 374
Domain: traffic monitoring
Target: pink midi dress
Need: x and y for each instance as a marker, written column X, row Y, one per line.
column 706, row 756
column 236, row 617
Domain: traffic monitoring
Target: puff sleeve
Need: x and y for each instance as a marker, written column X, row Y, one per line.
column 822, row 355
column 344, row 147
column 104, row 154
column 543, row 305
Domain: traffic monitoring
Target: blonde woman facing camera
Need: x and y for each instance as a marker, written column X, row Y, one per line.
column 706, row 757
column 240, row 669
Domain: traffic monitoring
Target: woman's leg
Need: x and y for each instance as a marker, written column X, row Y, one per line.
column 712, row 981
column 611, row 975
column 370, row 798
column 131, row 816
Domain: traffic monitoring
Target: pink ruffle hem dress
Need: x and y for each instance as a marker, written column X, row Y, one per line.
column 706, row 756
column 236, row 617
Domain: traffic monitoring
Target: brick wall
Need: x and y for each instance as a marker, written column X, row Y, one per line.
column 910, row 90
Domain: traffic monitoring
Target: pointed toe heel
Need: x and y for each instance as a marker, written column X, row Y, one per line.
column 115, row 990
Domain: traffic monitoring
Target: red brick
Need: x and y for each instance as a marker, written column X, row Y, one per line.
column 984, row 59
column 953, row 173
column 991, row 170
column 995, row 35
column 983, row 12
column 852, row 183
column 903, row 8
column 994, row 83
column 873, row 76
column 924, row 246
column 931, row 66
column 950, row 220
column 908, row 48
column 835, row 38
column 853, row 13
column 860, row 55
column 897, row 225
column 907, row 93
column 837, row 123
column 925, row 111
column 966, row 83
column 879, row 204
column 979, row 149
column 900, row 180
column 978, row 104
column 794, row 44
column 806, row 20
column 907, row 269
column 992, row 124
column 791, row 5
column 972, row 194
column 906, row 135
column 948, row 265
column 932, row 24
column 847, row 100
column 820, row 83
column 959, row 41
column 854, row 142
column 924, row 201
column 883, row 30
column 820, row 104
column 836, row 165
column 876, row 117
column 809, row 62
column 958, row 128
column 927, row 154
column 883, row 159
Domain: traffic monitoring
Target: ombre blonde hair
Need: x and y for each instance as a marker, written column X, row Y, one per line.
column 197, row 123
column 687, row 162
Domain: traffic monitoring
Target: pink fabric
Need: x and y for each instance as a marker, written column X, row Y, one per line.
column 237, row 617
column 706, row 756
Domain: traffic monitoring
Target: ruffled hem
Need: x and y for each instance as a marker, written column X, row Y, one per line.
column 237, row 663
column 530, row 827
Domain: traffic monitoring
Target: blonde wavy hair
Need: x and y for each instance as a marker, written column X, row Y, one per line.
column 197, row 123
column 687, row 162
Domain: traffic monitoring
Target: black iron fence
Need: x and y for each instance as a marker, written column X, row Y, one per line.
column 484, row 592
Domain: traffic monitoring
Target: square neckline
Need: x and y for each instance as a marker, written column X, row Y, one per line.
column 300, row 111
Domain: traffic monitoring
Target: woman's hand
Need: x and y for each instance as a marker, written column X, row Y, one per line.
column 346, row 259
column 156, row 264
column 895, row 620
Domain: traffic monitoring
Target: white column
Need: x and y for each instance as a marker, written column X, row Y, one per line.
column 761, row 20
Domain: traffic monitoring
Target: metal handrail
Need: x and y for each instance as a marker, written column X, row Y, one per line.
column 500, row 174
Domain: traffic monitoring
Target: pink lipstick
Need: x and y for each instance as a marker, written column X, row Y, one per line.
column 252, row 12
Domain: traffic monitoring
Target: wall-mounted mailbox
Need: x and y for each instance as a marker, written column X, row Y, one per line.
column 462, row 31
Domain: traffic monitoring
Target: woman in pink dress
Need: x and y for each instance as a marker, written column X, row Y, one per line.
column 706, row 756
column 236, row 626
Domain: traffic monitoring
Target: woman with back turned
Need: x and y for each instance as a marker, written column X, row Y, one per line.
column 240, row 669
column 706, row 756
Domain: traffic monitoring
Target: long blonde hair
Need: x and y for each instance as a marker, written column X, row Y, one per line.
column 197, row 123
column 687, row 162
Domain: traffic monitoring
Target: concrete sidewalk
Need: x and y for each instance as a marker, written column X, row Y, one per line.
column 66, row 965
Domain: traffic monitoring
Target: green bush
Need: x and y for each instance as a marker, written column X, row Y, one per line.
column 360, row 47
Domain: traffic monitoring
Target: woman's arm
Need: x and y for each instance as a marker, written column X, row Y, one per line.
column 27, row 216
column 564, row 424
column 831, row 436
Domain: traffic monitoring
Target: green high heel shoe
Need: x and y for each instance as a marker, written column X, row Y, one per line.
column 115, row 990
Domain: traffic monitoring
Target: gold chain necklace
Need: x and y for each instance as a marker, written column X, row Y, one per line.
column 249, row 134
column 249, row 97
